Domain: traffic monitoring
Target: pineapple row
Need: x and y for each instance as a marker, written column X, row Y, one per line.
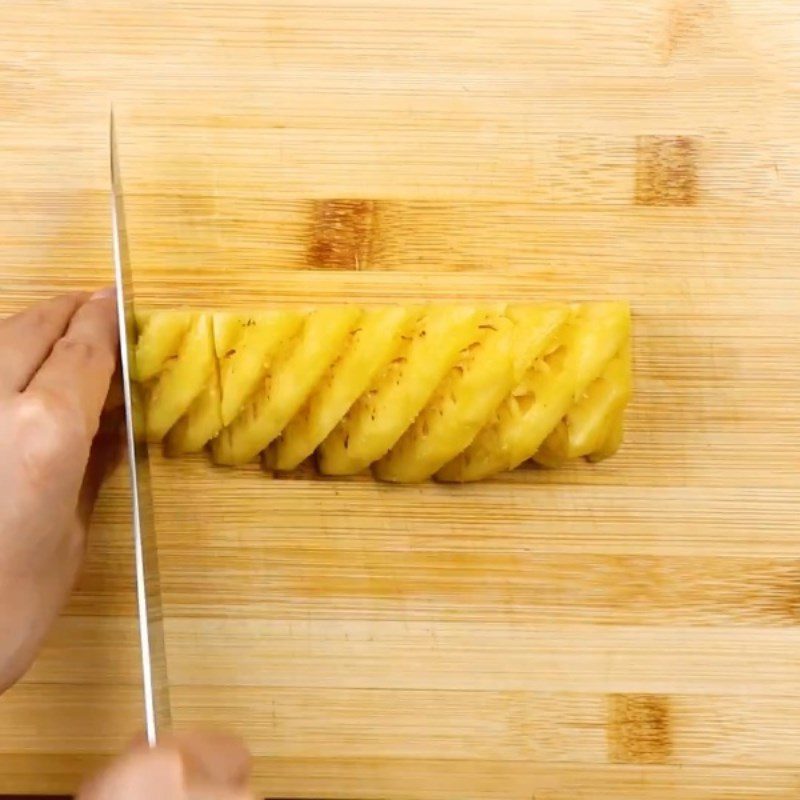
column 454, row 392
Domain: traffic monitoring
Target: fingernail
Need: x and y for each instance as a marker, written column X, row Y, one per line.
column 102, row 294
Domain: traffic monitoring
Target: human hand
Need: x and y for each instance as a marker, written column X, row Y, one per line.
column 184, row 767
column 56, row 363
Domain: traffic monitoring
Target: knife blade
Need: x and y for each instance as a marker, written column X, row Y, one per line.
column 155, row 681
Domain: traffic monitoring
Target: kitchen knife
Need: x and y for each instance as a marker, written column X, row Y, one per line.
column 148, row 587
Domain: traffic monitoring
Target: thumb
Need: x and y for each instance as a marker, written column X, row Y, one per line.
column 196, row 766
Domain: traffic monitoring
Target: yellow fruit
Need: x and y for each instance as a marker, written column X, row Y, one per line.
column 458, row 409
column 181, row 379
column 457, row 392
column 246, row 345
column 612, row 441
column 160, row 336
column 201, row 422
column 383, row 413
column 585, row 427
column 289, row 380
column 534, row 328
column 368, row 350
column 579, row 353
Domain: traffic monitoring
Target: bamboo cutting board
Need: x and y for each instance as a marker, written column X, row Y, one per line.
column 627, row 631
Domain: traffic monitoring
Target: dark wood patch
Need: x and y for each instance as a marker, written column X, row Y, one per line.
column 639, row 729
column 342, row 234
column 666, row 170
column 690, row 22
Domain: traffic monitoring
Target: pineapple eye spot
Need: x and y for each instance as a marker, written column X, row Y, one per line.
column 525, row 402
column 555, row 359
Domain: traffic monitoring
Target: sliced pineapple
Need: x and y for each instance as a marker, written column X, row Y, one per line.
column 612, row 441
column 245, row 345
column 201, row 422
column 181, row 379
column 383, row 413
column 160, row 336
column 582, row 348
column 291, row 377
column 459, row 392
column 585, row 427
column 458, row 409
column 535, row 325
column 369, row 349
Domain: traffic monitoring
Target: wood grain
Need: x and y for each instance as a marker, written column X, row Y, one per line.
column 625, row 631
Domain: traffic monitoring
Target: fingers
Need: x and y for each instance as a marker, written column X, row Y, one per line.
column 78, row 371
column 105, row 455
column 139, row 775
column 213, row 758
column 183, row 767
column 27, row 338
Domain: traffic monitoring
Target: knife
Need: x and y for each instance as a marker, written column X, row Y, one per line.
column 155, row 684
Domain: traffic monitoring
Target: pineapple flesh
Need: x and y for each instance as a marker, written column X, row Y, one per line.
column 584, row 345
column 370, row 347
column 459, row 408
column 289, row 380
column 182, row 377
column 246, row 345
column 583, row 430
column 454, row 392
column 382, row 414
column 160, row 335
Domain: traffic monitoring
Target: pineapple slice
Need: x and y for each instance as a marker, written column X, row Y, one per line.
column 160, row 336
column 613, row 440
column 459, row 408
column 201, row 423
column 535, row 325
column 182, row 378
column 383, row 413
column 585, row 427
column 372, row 344
column 583, row 347
column 290, row 379
column 246, row 344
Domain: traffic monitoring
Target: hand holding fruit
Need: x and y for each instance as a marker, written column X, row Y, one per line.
column 56, row 364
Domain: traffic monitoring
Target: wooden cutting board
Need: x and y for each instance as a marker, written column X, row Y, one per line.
column 627, row 631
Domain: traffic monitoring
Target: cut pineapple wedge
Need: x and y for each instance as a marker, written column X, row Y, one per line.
column 383, row 413
column 370, row 347
column 584, row 429
column 160, row 336
column 246, row 345
column 201, row 422
column 458, row 409
column 183, row 376
column 289, row 380
column 612, row 441
column 579, row 353
column 454, row 392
